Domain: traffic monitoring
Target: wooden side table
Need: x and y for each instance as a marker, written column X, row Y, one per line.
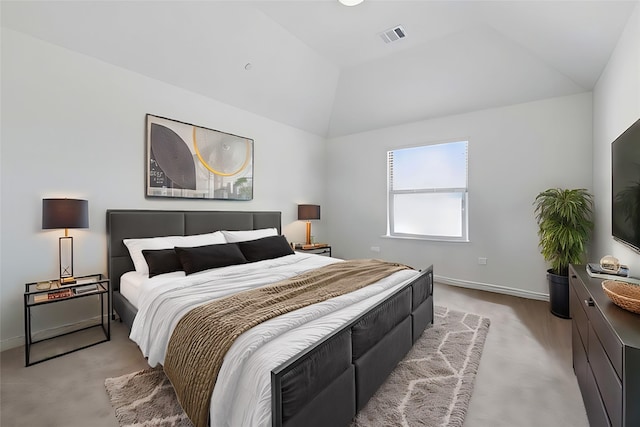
column 38, row 294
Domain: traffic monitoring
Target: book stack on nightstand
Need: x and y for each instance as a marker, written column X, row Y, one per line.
column 58, row 293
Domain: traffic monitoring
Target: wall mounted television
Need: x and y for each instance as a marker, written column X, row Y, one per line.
column 625, row 185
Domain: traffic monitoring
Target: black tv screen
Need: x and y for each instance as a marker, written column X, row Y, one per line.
column 625, row 171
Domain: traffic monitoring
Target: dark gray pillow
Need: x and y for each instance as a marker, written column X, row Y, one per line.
column 265, row 248
column 161, row 261
column 201, row 258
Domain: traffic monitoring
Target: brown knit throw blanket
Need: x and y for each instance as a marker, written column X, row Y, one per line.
column 204, row 335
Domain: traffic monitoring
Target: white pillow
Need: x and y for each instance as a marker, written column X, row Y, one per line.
column 136, row 246
column 243, row 236
column 214, row 238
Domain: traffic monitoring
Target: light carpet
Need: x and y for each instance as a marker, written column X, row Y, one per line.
column 431, row 386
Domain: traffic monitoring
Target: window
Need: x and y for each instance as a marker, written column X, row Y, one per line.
column 427, row 192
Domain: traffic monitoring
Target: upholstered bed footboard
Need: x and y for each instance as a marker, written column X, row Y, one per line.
column 321, row 378
column 422, row 303
column 328, row 383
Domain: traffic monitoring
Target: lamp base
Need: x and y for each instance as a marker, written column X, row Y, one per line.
column 308, row 232
column 65, row 257
column 69, row 280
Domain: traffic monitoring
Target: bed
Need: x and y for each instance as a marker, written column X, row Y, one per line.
column 330, row 379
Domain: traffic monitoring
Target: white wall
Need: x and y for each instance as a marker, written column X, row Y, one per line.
column 73, row 126
column 514, row 153
column 616, row 105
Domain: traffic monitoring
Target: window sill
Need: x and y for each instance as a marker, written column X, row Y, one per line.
column 429, row 239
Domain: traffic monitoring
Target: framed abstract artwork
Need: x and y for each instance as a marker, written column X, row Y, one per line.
column 188, row 161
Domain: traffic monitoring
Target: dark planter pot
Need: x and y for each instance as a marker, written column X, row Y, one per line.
column 559, row 295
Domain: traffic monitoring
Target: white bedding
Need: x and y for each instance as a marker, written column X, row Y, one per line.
column 242, row 395
column 130, row 284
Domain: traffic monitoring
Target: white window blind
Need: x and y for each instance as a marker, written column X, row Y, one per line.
column 427, row 192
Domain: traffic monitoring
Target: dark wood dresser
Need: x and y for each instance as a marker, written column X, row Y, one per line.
column 606, row 353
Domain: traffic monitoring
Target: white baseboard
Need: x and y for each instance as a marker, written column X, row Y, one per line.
column 491, row 288
column 45, row 333
column 10, row 343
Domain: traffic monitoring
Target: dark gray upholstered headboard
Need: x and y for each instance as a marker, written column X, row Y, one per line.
column 128, row 224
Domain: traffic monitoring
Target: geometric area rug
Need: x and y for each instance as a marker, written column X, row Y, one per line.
column 431, row 386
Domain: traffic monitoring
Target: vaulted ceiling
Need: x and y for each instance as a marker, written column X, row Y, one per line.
column 322, row 67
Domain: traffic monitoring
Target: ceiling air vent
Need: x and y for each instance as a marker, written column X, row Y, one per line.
column 393, row 34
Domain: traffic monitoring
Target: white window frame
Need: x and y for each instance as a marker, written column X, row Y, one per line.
column 462, row 191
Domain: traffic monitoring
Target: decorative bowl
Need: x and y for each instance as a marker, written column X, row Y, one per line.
column 623, row 294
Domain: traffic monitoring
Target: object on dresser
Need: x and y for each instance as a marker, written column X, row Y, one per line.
column 596, row 270
column 623, row 294
column 63, row 293
column 610, row 263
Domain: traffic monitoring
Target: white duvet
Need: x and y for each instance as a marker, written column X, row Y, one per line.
column 242, row 394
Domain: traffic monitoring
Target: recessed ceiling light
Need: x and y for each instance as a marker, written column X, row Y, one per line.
column 350, row 2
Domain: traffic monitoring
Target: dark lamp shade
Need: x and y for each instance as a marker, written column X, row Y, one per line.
column 65, row 213
column 307, row 212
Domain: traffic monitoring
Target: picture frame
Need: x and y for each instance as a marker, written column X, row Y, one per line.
column 194, row 162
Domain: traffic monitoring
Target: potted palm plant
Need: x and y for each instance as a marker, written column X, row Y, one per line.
column 564, row 220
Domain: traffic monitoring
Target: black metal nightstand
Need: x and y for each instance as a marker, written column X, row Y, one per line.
column 38, row 294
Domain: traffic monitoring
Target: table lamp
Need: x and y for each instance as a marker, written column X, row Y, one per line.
column 307, row 213
column 65, row 213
